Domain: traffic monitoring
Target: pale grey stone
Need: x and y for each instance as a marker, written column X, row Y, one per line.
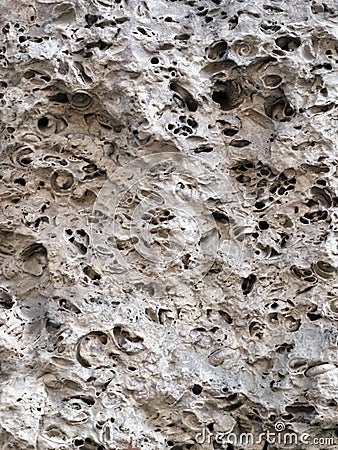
column 168, row 227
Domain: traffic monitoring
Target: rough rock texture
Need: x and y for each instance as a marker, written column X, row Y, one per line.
column 168, row 238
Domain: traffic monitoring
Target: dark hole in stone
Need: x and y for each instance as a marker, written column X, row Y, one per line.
column 25, row 161
column 29, row 74
column 185, row 95
column 218, row 50
column 239, row 143
column 197, row 389
column 306, row 409
column 288, row 43
column 225, row 316
column 248, row 283
column 263, row 225
column 228, row 94
column 313, row 316
column 90, row 272
column 182, row 37
column 233, row 22
column 20, row 181
column 230, row 132
column 203, row 149
column 5, row 299
column 210, row 427
column 91, row 19
column 259, row 205
column 60, row 97
column 221, row 98
column 43, row 123
column 220, row 217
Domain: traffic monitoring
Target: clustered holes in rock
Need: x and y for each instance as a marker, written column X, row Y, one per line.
column 260, row 105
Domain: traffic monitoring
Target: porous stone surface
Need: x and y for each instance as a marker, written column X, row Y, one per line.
column 168, row 235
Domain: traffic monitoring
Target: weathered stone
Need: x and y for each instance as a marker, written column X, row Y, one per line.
column 168, row 228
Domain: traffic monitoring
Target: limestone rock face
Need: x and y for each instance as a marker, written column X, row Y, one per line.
column 168, row 227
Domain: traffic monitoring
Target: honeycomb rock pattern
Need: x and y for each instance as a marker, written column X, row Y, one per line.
column 168, row 226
